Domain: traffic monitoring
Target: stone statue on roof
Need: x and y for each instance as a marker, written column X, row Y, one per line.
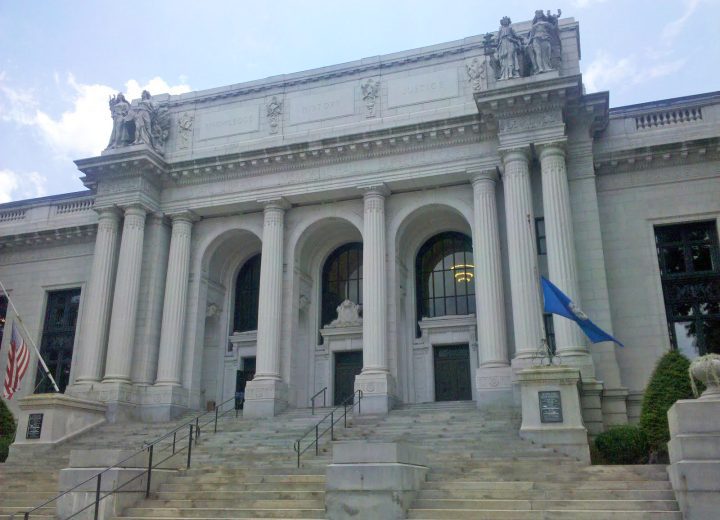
column 543, row 47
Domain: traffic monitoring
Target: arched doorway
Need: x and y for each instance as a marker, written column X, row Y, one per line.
column 445, row 286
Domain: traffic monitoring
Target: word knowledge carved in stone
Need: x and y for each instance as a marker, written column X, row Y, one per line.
column 516, row 56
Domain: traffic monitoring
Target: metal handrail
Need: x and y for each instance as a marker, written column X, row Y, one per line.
column 192, row 436
column 312, row 399
column 333, row 421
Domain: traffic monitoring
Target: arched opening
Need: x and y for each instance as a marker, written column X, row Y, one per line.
column 341, row 280
column 247, row 296
column 444, row 276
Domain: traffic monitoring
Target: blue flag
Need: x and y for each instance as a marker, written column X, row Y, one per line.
column 556, row 302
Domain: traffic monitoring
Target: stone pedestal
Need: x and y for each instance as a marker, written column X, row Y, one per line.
column 84, row 464
column 368, row 481
column 161, row 403
column 694, row 449
column 494, row 387
column 265, row 398
column 378, row 391
column 551, row 413
column 53, row 419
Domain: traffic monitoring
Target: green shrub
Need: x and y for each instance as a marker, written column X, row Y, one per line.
column 7, row 430
column 668, row 383
column 624, row 444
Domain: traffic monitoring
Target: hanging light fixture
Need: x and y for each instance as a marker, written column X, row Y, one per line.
column 463, row 272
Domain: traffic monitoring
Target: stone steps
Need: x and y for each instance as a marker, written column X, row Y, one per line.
column 489, row 514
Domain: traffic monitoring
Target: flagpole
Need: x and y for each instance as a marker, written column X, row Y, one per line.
column 27, row 335
column 544, row 342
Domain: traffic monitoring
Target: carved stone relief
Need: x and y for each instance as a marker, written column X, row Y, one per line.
column 370, row 93
column 274, row 112
column 348, row 315
column 185, row 130
column 477, row 74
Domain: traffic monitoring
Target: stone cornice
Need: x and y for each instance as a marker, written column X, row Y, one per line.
column 662, row 156
column 331, row 151
column 123, row 162
column 58, row 236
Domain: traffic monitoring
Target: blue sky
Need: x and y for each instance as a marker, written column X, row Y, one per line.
column 60, row 60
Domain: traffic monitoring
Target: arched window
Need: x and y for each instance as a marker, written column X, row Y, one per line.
column 341, row 280
column 247, row 295
column 444, row 276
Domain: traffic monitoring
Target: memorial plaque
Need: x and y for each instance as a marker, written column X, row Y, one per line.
column 550, row 407
column 34, row 427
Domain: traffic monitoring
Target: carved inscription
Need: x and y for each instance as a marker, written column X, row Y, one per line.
column 336, row 103
column 422, row 88
column 227, row 122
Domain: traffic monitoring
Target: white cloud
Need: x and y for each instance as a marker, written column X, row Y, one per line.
column 84, row 129
column 16, row 186
column 674, row 28
column 606, row 72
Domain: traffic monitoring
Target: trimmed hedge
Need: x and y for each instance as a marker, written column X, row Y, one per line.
column 625, row 444
column 668, row 383
column 7, row 430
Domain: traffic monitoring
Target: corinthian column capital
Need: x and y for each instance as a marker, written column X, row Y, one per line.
column 379, row 189
column 551, row 148
column 483, row 176
column 515, row 153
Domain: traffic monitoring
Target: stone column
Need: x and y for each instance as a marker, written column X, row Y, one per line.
column 375, row 380
column 98, row 297
column 493, row 377
column 125, row 301
column 524, row 275
column 175, row 303
column 266, row 394
column 562, row 267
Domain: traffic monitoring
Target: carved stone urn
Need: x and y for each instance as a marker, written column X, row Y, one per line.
column 706, row 369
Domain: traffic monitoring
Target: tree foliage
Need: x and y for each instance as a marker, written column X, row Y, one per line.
column 7, row 430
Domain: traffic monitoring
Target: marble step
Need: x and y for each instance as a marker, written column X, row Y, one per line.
column 453, row 514
column 233, row 486
column 280, row 494
column 545, row 505
column 209, row 513
column 527, row 486
column 555, row 494
column 236, row 503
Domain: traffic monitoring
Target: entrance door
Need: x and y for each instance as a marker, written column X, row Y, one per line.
column 452, row 373
column 58, row 337
column 245, row 375
column 347, row 366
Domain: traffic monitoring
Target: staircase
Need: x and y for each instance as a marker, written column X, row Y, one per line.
column 247, row 470
column 481, row 469
column 29, row 479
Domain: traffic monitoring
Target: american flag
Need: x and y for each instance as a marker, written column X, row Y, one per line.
column 18, row 361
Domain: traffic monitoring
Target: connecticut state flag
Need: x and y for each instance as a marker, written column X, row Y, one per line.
column 556, row 302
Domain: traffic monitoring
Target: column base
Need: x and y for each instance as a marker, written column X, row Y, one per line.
column 161, row 403
column 614, row 406
column 118, row 396
column 265, row 398
column 579, row 358
column 591, row 404
column 378, row 392
column 494, row 387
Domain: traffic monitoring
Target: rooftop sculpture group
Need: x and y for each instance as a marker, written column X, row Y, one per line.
column 142, row 123
column 515, row 56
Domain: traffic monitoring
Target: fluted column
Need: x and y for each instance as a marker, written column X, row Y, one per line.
column 375, row 380
column 266, row 394
column 374, row 283
column 271, row 272
column 489, row 298
column 125, row 301
column 98, row 298
column 562, row 266
column 175, row 303
column 524, row 275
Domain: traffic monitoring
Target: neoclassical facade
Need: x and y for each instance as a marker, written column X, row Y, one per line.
column 379, row 225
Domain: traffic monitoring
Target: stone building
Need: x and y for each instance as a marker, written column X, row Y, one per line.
column 377, row 225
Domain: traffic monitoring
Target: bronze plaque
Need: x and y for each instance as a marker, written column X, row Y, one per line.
column 34, row 427
column 550, row 407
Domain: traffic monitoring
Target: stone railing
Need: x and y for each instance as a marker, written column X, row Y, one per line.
column 10, row 215
column 668, row 117
column 74, row 206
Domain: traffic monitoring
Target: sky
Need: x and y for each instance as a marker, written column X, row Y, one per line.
column 60, row 60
